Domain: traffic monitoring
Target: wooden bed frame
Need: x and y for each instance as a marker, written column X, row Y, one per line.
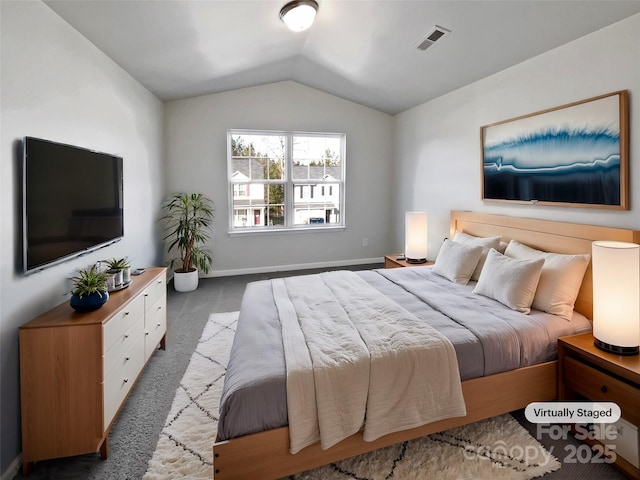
column 265, row 455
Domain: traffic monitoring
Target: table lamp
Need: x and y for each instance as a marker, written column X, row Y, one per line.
column 415, row 237
column 616, row 296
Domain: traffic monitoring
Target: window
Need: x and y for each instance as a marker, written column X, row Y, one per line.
column 273, row 180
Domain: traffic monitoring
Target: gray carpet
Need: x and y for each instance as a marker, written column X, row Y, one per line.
column 135, row 432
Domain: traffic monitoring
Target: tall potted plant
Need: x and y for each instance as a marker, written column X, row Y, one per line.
column 188, row 222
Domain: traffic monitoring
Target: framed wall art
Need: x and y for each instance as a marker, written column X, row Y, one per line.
column 573, row 155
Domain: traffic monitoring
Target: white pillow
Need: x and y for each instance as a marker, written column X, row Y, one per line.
column 456, row 261
column 510, row 281
column 560, row 279
column 485, row 242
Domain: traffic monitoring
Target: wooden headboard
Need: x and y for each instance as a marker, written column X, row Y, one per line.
column 557, row 237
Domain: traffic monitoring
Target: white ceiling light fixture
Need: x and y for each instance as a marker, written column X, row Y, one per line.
column 299, row 14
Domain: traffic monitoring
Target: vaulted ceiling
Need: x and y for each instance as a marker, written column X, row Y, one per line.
column 361, row 50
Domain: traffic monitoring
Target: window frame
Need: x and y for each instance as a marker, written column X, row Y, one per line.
column 289, row 184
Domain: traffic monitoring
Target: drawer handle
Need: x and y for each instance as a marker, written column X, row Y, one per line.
column 159, row 308
column 159, row 324
column 127, row 359
column 126, row 380
column 604, row 389
column 126, row 335
column 146, row 294
column 146, row 333
column 159, row 282
column 126, row 313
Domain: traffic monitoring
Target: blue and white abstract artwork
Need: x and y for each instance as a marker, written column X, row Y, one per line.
column 569, row 155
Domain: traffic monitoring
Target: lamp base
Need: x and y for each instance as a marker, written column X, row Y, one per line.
column 416, row 260
column 615, row 349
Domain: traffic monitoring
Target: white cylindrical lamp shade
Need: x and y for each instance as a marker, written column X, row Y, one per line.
column 616, row 296
column 415, row 237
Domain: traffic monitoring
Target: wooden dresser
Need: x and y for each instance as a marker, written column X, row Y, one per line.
column 76, row 369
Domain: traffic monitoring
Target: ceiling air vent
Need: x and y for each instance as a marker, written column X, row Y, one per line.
column 435, row 34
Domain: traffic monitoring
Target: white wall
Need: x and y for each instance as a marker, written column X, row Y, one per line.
column 196, row 147
column 437, row 144
column 56, row 85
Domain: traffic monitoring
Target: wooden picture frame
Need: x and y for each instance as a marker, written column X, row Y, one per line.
column 574, row 155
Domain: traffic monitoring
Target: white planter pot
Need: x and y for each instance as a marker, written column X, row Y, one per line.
column 114, row 280
column 185, row 282
column 126, row 275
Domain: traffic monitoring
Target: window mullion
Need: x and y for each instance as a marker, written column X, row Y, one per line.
column 288, row 190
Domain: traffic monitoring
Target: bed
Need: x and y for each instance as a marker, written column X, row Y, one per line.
column 264, row 451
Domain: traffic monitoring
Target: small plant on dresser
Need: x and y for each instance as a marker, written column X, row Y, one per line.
column 89, row 289
column 121, row 268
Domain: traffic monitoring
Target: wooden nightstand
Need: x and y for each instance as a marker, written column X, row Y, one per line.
column 391, row 262
column 585, row 371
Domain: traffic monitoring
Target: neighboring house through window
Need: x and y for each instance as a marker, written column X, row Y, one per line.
column 285, row 180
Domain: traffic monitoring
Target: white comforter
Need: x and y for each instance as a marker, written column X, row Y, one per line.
column 355, row 358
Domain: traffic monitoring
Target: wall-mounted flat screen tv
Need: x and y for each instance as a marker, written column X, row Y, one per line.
column 72, row 202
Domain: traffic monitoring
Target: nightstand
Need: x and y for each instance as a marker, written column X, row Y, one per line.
column 586, row 372
column 391, row 262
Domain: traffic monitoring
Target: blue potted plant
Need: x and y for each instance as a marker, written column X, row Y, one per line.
column 89, row 290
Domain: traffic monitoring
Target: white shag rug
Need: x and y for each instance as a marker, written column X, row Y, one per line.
column 495, row 448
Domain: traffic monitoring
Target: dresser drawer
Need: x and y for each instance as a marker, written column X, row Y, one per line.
column 120, row 322
column 121, row 345
column 121, row 379
column 155, row 291
column 155, row 325
column 599, row 386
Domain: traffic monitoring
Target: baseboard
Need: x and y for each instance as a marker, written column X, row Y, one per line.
column 12, row 471
column 296, row 266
